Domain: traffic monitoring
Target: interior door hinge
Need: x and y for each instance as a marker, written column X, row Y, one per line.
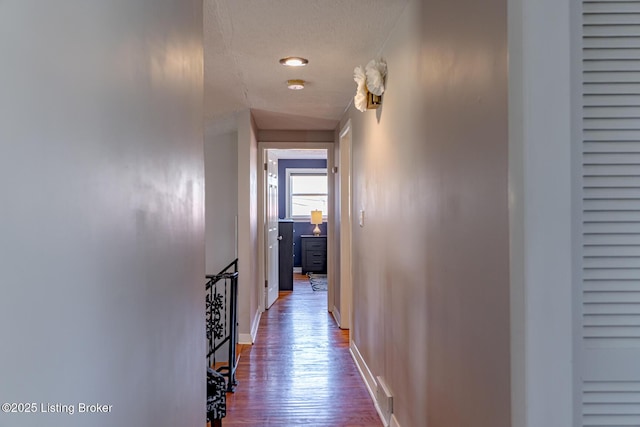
column 335, row 169
column 266, row 283
column 265, row 167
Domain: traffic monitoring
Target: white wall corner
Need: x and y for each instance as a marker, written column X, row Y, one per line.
column 336, row 315
column 245, row 339
column 251, row 337
column 255, row 325
column 368, row 377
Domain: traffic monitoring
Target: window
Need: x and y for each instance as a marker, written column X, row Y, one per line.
column 307, row 190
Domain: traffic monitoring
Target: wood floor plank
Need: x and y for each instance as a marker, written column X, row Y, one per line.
column 299, row 372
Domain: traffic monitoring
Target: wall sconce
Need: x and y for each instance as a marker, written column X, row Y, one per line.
column 373, row 101
column 316, row 219
column 370, row 81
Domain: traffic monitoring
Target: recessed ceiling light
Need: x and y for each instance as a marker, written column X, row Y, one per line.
column 294, row 61
column 295, row 84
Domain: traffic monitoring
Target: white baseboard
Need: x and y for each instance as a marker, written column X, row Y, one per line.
column 394, row 421
column 297, row 270
column 256, row 324
column 336, row 315
column 251, row 338
column 369, row 379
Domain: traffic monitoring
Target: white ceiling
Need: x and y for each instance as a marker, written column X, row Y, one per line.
column 244, row 39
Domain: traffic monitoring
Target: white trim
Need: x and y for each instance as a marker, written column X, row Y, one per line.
column 287, row 187
column 367, row 376
column 305, row 220
column 346, row 128
column 394, row 421
column 330, row 147
column 540, row 208
column 576, row 34
column 270, row 242
column 365, row 372
column 261, row 227
column 256, row 325
column 346, row 222
column 297, row 270
column 236, row 237
column 336, row 315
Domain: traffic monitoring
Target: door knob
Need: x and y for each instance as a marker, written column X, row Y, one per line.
column 279, row 237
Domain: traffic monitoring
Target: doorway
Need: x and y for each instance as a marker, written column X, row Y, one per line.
column 300, row 169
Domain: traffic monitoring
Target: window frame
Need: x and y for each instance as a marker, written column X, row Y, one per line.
column 289, row 195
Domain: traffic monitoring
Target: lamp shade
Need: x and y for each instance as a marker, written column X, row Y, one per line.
column 316, row 217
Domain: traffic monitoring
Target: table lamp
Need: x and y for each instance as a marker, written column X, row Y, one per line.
column 316, row 218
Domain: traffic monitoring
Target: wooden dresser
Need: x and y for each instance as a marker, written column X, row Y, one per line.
column 314, row 254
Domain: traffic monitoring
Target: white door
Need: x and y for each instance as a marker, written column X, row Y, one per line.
column 608, row 300
column 271, row 230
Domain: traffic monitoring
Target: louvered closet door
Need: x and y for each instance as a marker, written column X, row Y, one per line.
column 610, row 344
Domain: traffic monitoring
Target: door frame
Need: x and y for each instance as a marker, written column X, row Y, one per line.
column 345, row 218
column 262, row 147
column 267, row 230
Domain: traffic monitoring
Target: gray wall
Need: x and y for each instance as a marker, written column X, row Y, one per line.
column 431, row 264
column 221, row 171
column 101, row 218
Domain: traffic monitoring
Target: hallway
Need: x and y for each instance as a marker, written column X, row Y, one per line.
column 299, row 371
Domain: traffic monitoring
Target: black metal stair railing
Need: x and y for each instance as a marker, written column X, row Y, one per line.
column 222, row 307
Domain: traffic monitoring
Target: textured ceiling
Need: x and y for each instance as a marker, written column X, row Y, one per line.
column 244, row 39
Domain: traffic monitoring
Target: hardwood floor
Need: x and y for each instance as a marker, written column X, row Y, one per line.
column 299, row 372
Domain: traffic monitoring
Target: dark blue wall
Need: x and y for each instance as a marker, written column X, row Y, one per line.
column 299, row 228
column 283, row 165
